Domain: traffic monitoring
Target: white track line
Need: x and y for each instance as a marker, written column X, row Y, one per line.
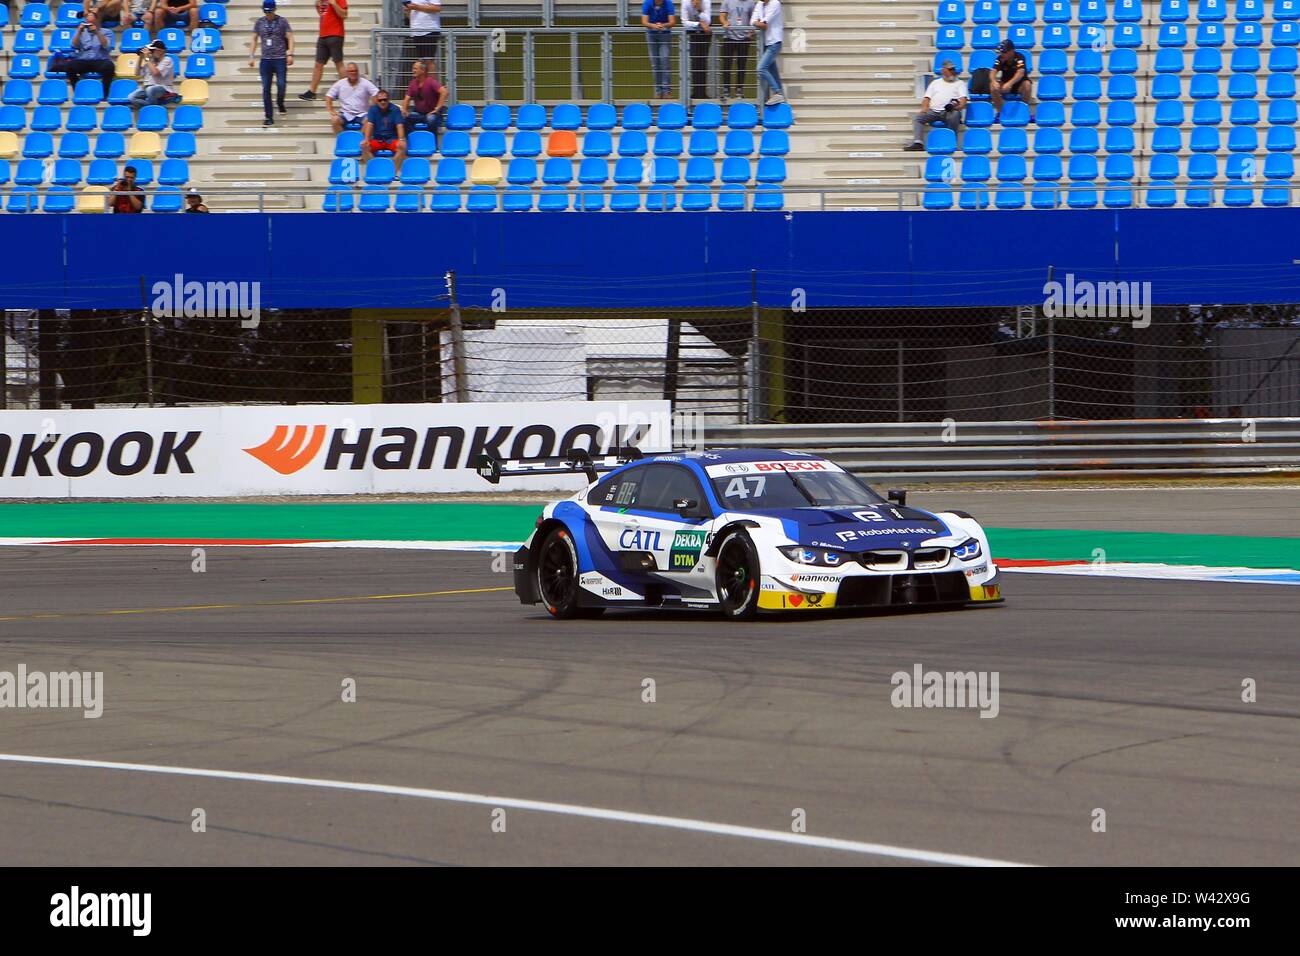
column 540, row 806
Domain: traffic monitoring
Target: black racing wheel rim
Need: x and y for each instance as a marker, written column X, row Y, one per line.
column 737, row 577
column 556, row 574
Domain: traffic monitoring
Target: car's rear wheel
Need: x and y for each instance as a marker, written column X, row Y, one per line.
column 557, row 577
column 738, row 577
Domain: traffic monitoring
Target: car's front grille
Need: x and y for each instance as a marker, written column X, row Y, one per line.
column 944, row 587
column 883, row 560
column 930, row 559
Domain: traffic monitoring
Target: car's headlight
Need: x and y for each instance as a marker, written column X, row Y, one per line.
column 825, row 557
column 968, row 550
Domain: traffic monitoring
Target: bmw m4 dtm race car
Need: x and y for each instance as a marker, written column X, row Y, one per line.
column 739, row 531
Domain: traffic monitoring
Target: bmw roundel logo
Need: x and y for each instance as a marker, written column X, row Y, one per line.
column 735, row 469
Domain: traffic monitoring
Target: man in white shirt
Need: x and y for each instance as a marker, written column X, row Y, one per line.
column 426, row 28
column 770, row 19
column 945, row 98
column 696, row 15
column 349, row 98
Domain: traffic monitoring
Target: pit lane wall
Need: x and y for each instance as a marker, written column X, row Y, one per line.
column 231, row 452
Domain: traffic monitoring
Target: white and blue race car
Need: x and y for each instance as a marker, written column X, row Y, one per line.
column 739, row 531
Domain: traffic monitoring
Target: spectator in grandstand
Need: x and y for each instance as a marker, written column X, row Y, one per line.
column 349, row 98
column 164, row 13
column 659, row 17
column 425, row 17
column 945, row 99
column 736, row 38
column 126, row 195
column 157, row 77
column 129, row 11
column 1010, row 76
column 329, row 43
column 194, row 202
column 89, row 54
column 275, row 37
column 696, row 17
column 383, row 129
column 425, row 100
column 769, row 18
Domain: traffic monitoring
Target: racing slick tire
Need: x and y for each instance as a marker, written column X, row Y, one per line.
column 738, row 577
column 557, row 577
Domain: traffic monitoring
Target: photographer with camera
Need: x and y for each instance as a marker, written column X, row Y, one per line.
column 126, row 195
column 945, row 99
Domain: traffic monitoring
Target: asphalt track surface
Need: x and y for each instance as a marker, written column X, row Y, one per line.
column 1118, row 694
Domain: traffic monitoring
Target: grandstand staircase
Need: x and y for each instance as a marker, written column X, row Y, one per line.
column 236, row 150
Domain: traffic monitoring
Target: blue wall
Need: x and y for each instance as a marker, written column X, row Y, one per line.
column 609, row 260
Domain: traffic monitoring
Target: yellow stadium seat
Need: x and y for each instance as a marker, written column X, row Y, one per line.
column 8, row 144
column 194, row 92
column 486, row 171
column 91, row 199
column 128, row 64
column 145, row 145
column 562, row 142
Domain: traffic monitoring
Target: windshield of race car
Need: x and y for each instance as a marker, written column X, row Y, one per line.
column 790, row 489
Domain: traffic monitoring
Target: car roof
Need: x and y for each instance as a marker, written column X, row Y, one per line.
column 731, row 456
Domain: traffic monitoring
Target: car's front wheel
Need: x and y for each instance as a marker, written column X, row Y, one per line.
column 738, row 577
column 557, row 576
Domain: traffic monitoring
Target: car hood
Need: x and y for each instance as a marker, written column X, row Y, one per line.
column 861, row 529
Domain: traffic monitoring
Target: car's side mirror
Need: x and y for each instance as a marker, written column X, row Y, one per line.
column 688, row 508
column 898, row 496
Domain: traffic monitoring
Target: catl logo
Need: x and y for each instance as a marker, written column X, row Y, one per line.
column 290, row 451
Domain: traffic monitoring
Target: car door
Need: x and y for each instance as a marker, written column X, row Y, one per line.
column 640, row 518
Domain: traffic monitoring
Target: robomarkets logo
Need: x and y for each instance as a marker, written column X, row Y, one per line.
column 685, row 553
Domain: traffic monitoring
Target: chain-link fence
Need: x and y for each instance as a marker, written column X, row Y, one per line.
column 729, row 365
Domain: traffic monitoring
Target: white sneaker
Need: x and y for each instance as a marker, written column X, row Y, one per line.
column 774, row 99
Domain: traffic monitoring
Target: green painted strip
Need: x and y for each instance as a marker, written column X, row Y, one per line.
column 360, row 521
column 1215, row 550
column 503, row 522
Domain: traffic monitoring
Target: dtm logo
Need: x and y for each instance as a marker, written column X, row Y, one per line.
column 633, row 539
column 288, row 452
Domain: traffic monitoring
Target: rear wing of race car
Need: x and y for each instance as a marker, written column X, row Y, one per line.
column 493, row 469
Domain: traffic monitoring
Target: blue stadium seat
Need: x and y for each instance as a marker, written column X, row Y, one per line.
column 1207, row 61
column 22, row 199
column 1009, row 197
column 1127, row 11
column 973, row 198
column 1048, row 115
column 984, row 37
column 348, row 144
column 1172, row 35
column 1022, row 35
column 1169, row 61
column 421, row 143
column 597, row 143
column 12, row 118
column 46, row 119
column 975, row 169
column 1204, row 86
column 1053, row 63
column 496, row 117
column 1279, row 166
column 1207, row 113
column 1011, row 169
column 1117, row 195
column 1091, row 35
column 982, row 60
column 1056, row 36
column 174, row 39
column 143, row 170
column 526, row 143
column 1084, row 140
column 25, row 66
column 1086, row 88
column 735, row 170
column 152, row 118
column 1281, row 112
column 1022, row 11
column 1205, row 139
column 1121, row 113
column 593, row 200
column 741, row 116
column 38, row 146
column 1057, row 11
column 740, row 142
column 187, row 118
column 213, row 14
column 1286, row 9
column 941, row 142
column 1166, row 139
column 29, row 41
column 1244, row 113
column 1048, row 142
column 771, row 169
column 1276, row 194
column 1160, row 194
column 1085, row 114
column 461, row 117
column 937, row 197
column 455, row 143
column 101, row 172
column 1087, row 61
column 1013, row 142
column 1210, row 34
column 951, row 12
column 1280, row 139
column 1208, row 11
column 17, row 93
column 1166, row 86
column 1118, row 167
column 445, row 199
column 1169, row 113
column 671, row 116
column 700, row 170
column 978, row 116
column 558, row 171
column 778, row 117
column 553, row 199
column 1092, row 11
column 1120, row 139
column 74, row 146
column 60, row 199
column 344, row 172
column 986, row 11
column 135, row 39
column 1247, row 35
column 490, row 142
column 522, row 172
column 481, row 199
column 668, row 143
column 604, row 117
column 531, row 116
column 180, row 146
column 30, row 172
column 167, row 199
column 109, row 145
column 594, row 172
column 939, row 169
column 1202, row 166
column 1051, row 89
column 173, row 172
column 451, row 172
column 1283, row 59
column 706, row 116
column 119, row 93
column 517, row 199
column 629, row 200
column 977, row 142
column 1121, row 87
column 1242, row 86
column 1245, row 60
column 1280, row 86
column 1240, row 168
column 35, row 15
column 637, row 116
column 1173, row 11
column 202, row 40
column 703, row 142
column 1199, row 196
column 1238, row 196
column 633, row 143
column 338, row 200
column 1127, row 36
column 949, row 38
column 629, row 171
column 1014, row 113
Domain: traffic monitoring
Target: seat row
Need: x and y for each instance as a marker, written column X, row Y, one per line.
column 1119, row 139
column 1084, row 169
column 1122, row 11
column 1281, row 59
column 1165, row 86
column 196, row 66
column 145, row 145
column 98, row 172
column 115, row 119
column 487, row 171
column 595, row 144
column 1124, row 113
column 1124, row 36
column 604, row 116
column 551, row 199
column 63, row 199
column 1113, row 195
column 201, row 40
column 91, row 92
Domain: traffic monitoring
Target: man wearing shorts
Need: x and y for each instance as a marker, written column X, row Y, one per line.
column 165, row 13
column 126, row 11
column 383, row 129
column 329, row 45
column 1010, row 76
